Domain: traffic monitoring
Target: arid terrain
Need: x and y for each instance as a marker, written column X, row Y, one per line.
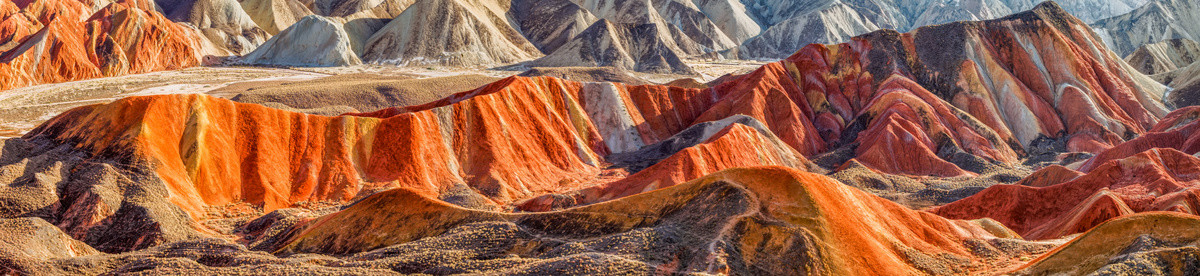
column 599, row 137
column 27, row 107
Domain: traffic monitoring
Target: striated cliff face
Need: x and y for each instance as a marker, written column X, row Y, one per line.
column 1151, row 173
column 1014, row 76
column 1158, row 20
column 789, row 25
column 834, row 23
column 1164, row 57
column 221, row 23
column 886, row 95
column 73, row 42
column 453, row 33
column 638, row 47
column 648, row 36
column 575, row 177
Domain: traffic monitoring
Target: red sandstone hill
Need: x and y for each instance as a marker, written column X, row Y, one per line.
column 956, row 100
column 951, row 99
column 1155, row 172
column 521, row 138
column 1023, row 79
column 74, row 42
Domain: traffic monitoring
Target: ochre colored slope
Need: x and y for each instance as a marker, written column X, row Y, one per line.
column 73, row 42
column 1121, row 240
column 15, row 25
column 513, row 139
column 750, row 219
column 56, row 53
column 735, row 146
column 880, row 95
column 129, row 38
column 523, row 137
column 213, row 152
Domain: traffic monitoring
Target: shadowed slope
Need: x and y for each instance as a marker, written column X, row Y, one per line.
column 1165, row 56
column 452, row 33
column 1155, row 180
column 224, row 23
column 942, row 104
column 734, row 142
column 1155, row 172
column 753, row 220
column 523, row 137
column 1152, row 243
column 1156, row 21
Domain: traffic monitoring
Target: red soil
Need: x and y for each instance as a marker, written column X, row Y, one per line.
column 74, row 43
column 1154, row 180
column 735, row 146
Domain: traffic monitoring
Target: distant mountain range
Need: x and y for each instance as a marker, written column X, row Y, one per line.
column 644, row 35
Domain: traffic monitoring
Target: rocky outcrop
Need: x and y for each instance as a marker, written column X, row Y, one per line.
column 693, row 23
column 789, row 25
column 833, row 24
column 737, row 141
column 1158, row 20
column 1186, row 84
column 1151, row 173
column 654, row 36
column 1150, row 243
column 1154, row 180
column 223, row 23
column 643, row 48
column 1012, row 97
column 452, row 33
column 31, row 63
column 1164, row 57
column 549, row 24
column 273, row 16
column 112, row 204
column 731, row 17
column 121, row 38
column 15, row 25
column 314, row 41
